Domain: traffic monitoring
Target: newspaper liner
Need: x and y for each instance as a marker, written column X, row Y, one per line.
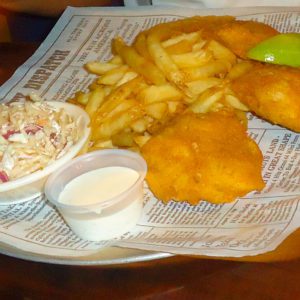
column 252, row 225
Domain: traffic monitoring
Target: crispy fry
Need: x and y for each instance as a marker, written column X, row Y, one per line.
column 191, row 59
column 140, row 125
column 191, row 38
column 160, row 93
column 140, row 45
column 173, row 106
column 96, row 98
column 201, row 85
column 116, row 60
column 102, row 144
column 99, row 68
column 220, row 52
column 206, row 100
column 123, row 139
column 113, row 76
column 162, row 58
column 82, row 97
column 141, row 140
column 127, row 77
column 239, row 69
column 236, row 103
column 121, row 93
column 111, row 126
column 157, row 110
column 138, row 62
column 181, row 43
column 215, row 68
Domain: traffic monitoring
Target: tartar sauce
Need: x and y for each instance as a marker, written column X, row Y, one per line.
column 95, row 187
column 98, row 185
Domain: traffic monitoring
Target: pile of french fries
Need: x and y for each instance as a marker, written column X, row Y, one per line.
column 166, row 71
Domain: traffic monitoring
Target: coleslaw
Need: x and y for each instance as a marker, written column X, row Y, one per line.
column 32, row 136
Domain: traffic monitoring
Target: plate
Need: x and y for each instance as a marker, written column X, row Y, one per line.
column 105, row 257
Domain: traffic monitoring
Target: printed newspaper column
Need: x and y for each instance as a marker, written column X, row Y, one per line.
column 36, row 226
column 235, row 229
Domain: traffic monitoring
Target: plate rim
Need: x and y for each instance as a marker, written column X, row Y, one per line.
column 84, row 260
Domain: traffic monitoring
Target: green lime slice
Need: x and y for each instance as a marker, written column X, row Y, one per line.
column 281, row 49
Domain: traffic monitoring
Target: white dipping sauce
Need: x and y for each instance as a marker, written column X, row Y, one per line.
column 98, row 185
column 95, row 187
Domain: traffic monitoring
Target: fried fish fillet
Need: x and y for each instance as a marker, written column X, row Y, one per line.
column 241, row 36
column 207, row 157
column 272, row 92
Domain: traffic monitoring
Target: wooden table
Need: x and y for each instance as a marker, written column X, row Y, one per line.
column 274, row 275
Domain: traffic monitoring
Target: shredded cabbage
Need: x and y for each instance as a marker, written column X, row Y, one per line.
column 32, row 136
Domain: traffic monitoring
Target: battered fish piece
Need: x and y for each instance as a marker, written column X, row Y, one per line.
column 203, row 157
column 241, row 36
column 272, row 92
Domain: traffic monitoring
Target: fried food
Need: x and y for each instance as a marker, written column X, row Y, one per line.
column 181, row 71
column 241, row 36
column 194, row 157
column 170, row 68
column 272, row 92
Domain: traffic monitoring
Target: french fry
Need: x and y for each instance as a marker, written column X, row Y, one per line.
column 123, row 139
column 119, row 94
column 180, row 48
column 85, row 147
column 116, row 60
column 96, row 98
column 94, row 85
column 127, row 77
column 140, row 45
column 191, row 59
column 182, row 43
column 140, row 125
column 201, row 85
column 123, row 105
column 236, row 103
column 113, row 76
column 162, row 58
column 99, row 68
column 157, row 110
column 220, row 52
column 107, row 90
column 138, row 63
column 102, row 144
column 156, row 125
column 191, row 37
column 239, row 69
column 82, row 98
column 173, row 106
column 199, row 46
column 206, row 101
column 213, row 68
column 115, row 124
column 141, row 140
column 153, row 93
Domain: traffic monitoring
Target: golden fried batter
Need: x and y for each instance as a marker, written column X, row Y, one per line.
column 272, row 92
column 241, row 36
column 207, row 157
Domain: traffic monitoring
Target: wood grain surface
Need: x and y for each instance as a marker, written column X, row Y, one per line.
column 275, row 275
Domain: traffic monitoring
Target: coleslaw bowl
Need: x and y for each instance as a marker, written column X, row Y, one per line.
column 32, row 185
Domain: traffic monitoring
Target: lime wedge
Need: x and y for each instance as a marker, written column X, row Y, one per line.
column 281, row 49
